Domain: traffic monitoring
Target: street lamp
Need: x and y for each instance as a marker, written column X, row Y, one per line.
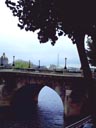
column 13, row 61
column 29, row 66
column 65, row 63
column 39, row 64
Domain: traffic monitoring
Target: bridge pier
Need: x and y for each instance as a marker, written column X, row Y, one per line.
column 76, row 103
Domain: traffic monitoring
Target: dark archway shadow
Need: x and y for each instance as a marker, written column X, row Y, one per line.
column 23, row 105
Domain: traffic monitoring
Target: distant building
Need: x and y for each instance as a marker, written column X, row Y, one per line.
column 3, row 60
column 52, row 67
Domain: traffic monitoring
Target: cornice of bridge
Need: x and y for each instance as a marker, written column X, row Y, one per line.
column 4, row 72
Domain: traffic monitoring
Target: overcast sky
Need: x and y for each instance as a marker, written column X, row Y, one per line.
column 25, row 45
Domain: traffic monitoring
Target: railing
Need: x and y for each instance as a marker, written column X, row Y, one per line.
column 81, row 122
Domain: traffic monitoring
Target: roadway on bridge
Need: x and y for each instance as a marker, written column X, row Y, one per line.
column 51, row 73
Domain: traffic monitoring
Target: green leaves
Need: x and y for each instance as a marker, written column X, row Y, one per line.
column 22, row 64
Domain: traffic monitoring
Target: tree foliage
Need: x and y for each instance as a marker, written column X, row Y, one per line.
column 22, row 64
column 91, row 51
column 54, row 18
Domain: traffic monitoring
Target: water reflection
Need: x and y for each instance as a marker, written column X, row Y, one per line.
column 47, row 114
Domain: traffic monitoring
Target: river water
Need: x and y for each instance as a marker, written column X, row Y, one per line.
column 47, row 114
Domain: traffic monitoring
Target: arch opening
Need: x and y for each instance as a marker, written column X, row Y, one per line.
column 48, row 98
column 51, row 107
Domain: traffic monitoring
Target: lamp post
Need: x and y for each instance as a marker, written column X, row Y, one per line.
column 29, row 66
column 65, row 63
column 13, row 61
column 39, row 64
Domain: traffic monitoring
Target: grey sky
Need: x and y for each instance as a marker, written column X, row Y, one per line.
column 25, row 45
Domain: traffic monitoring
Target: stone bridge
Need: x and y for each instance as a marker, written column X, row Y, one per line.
column 71, row 87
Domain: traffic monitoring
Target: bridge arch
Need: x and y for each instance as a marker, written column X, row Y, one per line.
column 27, row 96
